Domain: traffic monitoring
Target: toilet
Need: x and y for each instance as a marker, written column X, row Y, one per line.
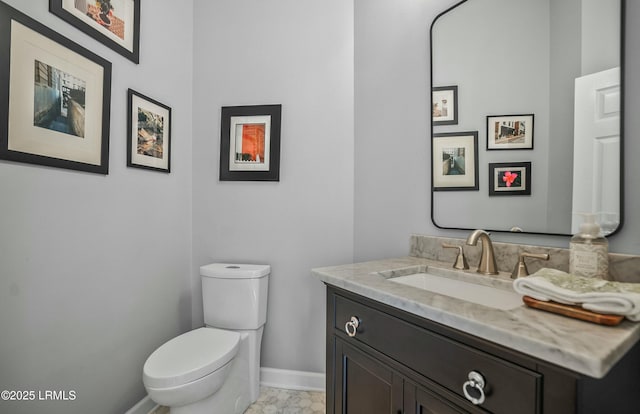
column 215, row 369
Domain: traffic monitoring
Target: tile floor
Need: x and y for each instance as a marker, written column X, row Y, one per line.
column 281, row 401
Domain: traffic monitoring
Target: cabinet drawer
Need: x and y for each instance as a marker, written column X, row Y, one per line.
column 509, row 387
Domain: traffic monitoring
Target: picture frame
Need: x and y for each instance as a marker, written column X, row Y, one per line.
column 509, row 178
column 444, row 105
column 55, row 98
column 148, row 133
column 510, row 132
column 114, row 23
column 250, row 143
column 455, row 161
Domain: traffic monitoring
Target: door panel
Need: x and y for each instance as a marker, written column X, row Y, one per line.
column 596, row 148
column 365, row 385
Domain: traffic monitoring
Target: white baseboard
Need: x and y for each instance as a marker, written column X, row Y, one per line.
column 144, row 406
column 269, row 377
column 292, row 380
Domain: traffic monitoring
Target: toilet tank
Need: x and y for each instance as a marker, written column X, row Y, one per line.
column 234, row 296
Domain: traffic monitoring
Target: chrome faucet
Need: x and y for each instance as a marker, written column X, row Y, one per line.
column 487, row 263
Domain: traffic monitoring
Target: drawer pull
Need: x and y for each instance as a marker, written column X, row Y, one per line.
column 474, row 388
column 351, row 327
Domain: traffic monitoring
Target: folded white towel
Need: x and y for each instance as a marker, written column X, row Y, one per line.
column 596, row 295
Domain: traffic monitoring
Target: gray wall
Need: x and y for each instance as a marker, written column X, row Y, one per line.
column 90, row 285
column 299, row 54
column 392, row 176
column 95, row 270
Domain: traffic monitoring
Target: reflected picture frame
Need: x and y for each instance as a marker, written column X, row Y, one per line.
column 455, row 161
column 148, row 133
column 250, row 143
column 55, row 98
column 444, row 105
column 510, row 132
column 510, row 178
column 114, row 23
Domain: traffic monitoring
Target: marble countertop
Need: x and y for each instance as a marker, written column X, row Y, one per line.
column 582, row 347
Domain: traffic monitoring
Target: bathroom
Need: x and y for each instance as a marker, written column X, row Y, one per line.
column 97, row 271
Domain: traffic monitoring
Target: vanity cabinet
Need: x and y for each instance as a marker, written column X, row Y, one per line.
column 382, row 360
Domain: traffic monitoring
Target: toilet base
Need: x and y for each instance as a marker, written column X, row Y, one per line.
column 234, row 397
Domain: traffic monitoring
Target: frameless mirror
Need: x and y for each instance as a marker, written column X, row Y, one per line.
column 526, row 115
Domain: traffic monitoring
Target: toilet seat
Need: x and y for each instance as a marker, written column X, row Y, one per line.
column 189, row 357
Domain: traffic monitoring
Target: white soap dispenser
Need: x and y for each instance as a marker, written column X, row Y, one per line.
column 589, row 250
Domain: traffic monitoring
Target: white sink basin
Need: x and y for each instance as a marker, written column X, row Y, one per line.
column 476, row 293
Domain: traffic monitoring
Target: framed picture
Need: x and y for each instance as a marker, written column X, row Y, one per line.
column 250, row 143
column 148, row 133
column 509, row 132
column 115, row 23
column 444, row 105
column 55, row 98
column 455, row 161
column 509, row 178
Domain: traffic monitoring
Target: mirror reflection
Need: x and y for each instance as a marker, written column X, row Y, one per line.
column 539, row 82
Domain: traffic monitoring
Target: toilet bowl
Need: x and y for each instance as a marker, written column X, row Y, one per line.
column 215, row 369
column 191, row 366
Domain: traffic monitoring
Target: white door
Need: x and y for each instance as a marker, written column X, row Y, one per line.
column 596, row 149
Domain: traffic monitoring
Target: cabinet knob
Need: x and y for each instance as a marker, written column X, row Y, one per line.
column 474, row 388
column 351, row 327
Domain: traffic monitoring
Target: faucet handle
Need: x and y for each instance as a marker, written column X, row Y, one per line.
column 521, row 267
column 461, row 261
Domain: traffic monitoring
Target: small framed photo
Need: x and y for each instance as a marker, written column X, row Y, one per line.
column 455, row 161
column 54, row 100
column 114, row 23
column 148, row 133
column 509, row 178
column 444, row 105
column 250, row 143
column 509, row 132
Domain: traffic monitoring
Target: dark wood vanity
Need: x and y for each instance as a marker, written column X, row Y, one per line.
column 396, row 362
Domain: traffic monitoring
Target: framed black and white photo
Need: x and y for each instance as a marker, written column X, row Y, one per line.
column 509, row 132
column 55, row 109
column 114, row 23
column 250, row 143
column 148, row 133
column 455, row 161
column 510, row 178
column 444, row 105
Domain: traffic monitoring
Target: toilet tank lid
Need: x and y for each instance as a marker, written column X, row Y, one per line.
column 235, row 271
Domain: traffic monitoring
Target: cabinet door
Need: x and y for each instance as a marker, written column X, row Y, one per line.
column 418, row 400
column 364, row 385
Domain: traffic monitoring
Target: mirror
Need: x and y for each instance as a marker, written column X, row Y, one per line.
column 514, row 83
